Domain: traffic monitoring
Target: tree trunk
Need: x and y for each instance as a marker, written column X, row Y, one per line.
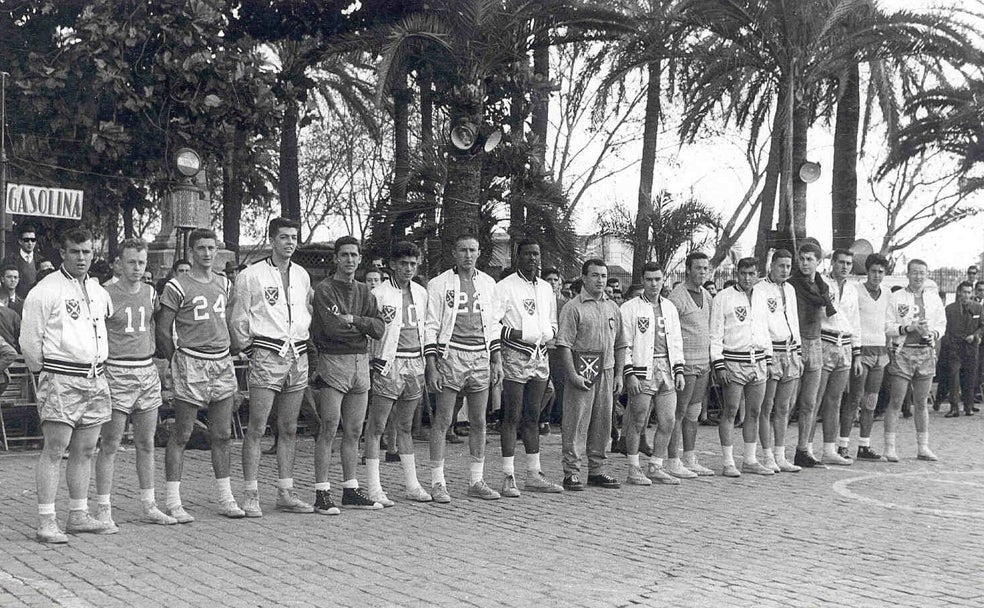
column 647, row 165
column 430, row 260
column 517, row 211
column 233, row 191
column 767, row 204
column 290, row 189
column 844, row 190
column 541, row 68
column 461, row 201
column 401, row 158
column 792, row 214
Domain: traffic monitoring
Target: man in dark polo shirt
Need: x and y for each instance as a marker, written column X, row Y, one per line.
column 592, row 346
column 963, row 335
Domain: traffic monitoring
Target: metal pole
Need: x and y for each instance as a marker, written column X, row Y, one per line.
column 3, row 163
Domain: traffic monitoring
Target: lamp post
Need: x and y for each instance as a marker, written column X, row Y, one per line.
column 186, row 198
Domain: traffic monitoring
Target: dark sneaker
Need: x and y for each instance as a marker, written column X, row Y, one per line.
column 544, row 428
column 572, row 483
column 868, row 453
column 392, row 457
column 324, row 504
column 805, row 459
column 358, row 498
column 843, row 453
column 604, row 481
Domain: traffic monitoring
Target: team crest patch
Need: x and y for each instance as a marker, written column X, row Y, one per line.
column 741, row 313
column 529, row 305
column 73, row 309
column 773, row 305
column 449, row 298
column 272, row 294
column 643, row 324
column 903, row 310
column 389, row 313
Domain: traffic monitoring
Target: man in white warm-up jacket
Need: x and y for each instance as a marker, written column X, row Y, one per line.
column 778, row 298
column 529, row 321
column 397, row 366
column 741, row 352
column 461, row 345
column 653, row 374
column 914, row 324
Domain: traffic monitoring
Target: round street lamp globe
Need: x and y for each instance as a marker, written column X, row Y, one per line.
column 187, row 162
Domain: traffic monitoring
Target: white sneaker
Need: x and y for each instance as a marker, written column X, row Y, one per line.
column 380, row 497
column 926, row 454
column 675, row 468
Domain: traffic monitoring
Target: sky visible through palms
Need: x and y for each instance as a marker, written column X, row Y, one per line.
column 716, row 172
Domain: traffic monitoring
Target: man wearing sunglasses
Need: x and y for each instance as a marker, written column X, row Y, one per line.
column 25, row 260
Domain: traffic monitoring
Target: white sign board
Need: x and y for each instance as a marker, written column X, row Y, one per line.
column 42, row 201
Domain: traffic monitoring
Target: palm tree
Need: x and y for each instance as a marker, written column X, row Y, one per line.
column 651, row 45
column 758, row 58
column 948, row 118
column 470, row 41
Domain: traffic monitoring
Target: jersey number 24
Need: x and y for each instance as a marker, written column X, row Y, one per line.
column 201, row 307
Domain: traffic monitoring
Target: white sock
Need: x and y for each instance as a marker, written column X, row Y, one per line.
column 322, row 486
column 728, row 455
column 656, row 461
column 508, row 465
column 225, row 489
column 690, row 457
column 251, row 485
column 533, row 463
column 46, row 509
column 633, row 460
column 437, row 472
column 409, row 464
column 102, row 499
column 350, row 484
column 372, row 474
column 768, row 455
column 780, row 453
column 172, row 494
column 830, row 449
column 843, row 442
column 476, row 470
column 750, row 452
column 147, row 495
column 286, row 483
column 890, row 442
column 922, row 439
column 78, row 504
column 864, row 442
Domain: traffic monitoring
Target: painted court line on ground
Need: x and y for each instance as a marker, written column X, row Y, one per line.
column 841, row 487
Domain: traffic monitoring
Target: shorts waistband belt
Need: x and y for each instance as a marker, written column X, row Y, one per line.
column 71, row 368
column 198, row 354
column 130, row 362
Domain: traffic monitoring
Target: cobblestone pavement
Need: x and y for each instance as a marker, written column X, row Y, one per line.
column 907, row 534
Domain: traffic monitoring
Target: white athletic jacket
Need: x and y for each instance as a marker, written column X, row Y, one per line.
column 845, row 326
column 530, row 307
column 442, row 311
column 739, row 330
column 389, row 299
column 783, row 322
column 639, row 328
column 62, row 330
column 902, row 311
column 266, row 314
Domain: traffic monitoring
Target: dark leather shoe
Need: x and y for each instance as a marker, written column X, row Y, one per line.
column 604, row 481
column 867, row 453
column 803, row 459
column 970, row 412
column 572, row 483
column 953, row 413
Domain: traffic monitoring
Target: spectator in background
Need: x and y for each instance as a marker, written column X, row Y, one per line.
column 26, row 259
column 972, row 274
column 10, row 325
column 962, row 342
column 178, row 268
column 44, row 265
column 232, row 270
column 553, row 397
column 711, row 288
column 566, row 290
column 614, row 283
column 102, row 271
column 148, row 278
column 9, row 279
column 373, row 278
